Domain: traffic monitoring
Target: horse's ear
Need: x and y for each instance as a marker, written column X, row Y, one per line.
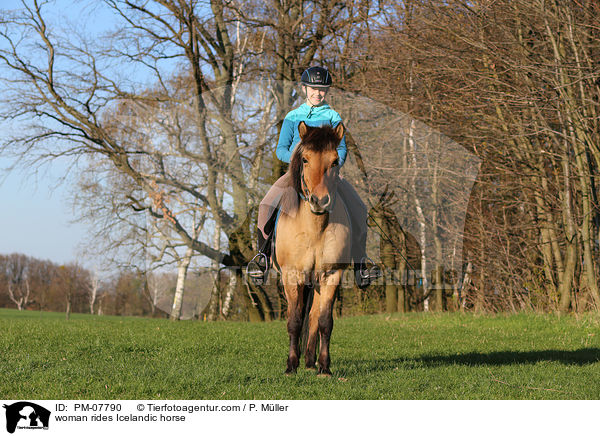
column 302, row 129
column 339, row 131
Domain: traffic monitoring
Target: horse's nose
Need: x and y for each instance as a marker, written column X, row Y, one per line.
column 320, row 202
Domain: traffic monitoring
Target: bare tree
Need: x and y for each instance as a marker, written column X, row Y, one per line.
column 513, row 82
column 72, row 280
column 16, row 273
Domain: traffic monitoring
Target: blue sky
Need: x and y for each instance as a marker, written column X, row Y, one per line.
column 37, row 219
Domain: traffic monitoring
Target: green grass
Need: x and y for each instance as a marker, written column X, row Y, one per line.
column 415, row 356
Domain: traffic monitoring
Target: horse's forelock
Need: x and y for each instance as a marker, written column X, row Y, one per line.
column 320, row 139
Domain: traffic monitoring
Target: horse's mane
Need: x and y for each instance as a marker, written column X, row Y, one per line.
column 317, row 139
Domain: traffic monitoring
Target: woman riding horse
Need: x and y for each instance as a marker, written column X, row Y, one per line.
column 315, row 112
column 313, row 244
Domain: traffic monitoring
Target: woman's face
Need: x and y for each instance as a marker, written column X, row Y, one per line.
column 315, row 96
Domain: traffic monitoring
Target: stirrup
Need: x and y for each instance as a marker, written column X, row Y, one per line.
column 257, row 269
column 366, row 272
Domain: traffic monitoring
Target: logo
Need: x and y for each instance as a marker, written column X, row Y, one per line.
column 25, row 415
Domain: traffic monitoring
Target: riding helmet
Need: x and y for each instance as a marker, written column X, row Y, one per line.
column 316, row 77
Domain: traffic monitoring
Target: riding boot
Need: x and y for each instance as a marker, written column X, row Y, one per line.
column 258, row 268
column 365, row 269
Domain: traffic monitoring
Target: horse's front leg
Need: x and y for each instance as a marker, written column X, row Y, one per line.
column 294, row 291
column 328, row 291
column 313, row 332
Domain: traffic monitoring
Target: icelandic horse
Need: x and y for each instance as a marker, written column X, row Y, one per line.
column 312, row 244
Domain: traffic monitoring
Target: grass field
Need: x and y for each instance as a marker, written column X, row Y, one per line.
column 415, row 356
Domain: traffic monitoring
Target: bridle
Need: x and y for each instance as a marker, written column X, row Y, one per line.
column 305, row 194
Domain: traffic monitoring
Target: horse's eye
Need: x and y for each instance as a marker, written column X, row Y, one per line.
column 304, row 160
column 335, row 163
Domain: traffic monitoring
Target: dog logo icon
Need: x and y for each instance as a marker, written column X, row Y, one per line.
column 26, row 415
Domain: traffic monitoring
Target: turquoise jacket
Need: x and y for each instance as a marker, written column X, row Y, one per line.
column 314, row 116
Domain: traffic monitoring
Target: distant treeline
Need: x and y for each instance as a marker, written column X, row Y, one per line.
column 27, row 283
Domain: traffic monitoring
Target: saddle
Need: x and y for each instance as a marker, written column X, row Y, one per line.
column 258, row 268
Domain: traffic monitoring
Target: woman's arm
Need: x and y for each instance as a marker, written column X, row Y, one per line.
column 284, row 144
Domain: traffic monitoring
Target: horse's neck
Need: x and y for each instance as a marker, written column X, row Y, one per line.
column 315, row 223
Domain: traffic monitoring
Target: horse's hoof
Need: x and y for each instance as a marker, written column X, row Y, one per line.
column 324, row 373
column 290, row 372
column 311, row 368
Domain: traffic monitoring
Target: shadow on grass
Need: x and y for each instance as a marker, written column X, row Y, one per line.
column 581, row 357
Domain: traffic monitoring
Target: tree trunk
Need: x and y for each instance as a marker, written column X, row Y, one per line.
column 402, row 285
column 180, row 287
column 440, row 292
column 420, row 217
column 462, row 300
column 213, row 308
column 68, row 309
column 389, row 263
column 93, row 293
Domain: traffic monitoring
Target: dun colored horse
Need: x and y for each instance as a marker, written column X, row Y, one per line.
column 312, row 244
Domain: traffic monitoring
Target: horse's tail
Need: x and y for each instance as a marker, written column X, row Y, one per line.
column 309, row 292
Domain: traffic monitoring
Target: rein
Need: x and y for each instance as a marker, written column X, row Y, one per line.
column 305, row 193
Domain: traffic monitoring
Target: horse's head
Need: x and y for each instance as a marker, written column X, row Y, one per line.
column 315, row 165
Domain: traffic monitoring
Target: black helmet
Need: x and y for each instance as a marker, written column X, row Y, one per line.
column 316, row 77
